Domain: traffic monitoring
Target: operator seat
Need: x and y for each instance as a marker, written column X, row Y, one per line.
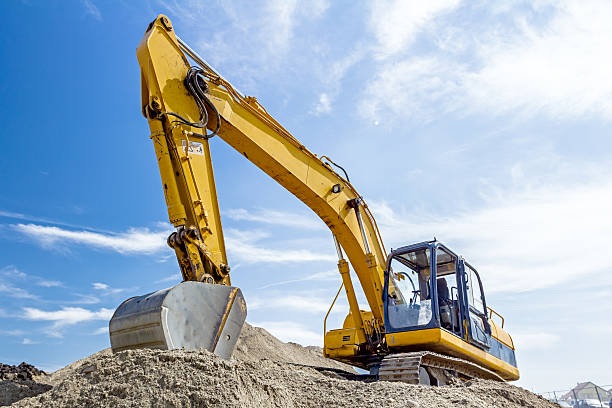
column 443, row 293
column 445, row 303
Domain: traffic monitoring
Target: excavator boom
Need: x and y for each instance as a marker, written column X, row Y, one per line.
column 185, row 107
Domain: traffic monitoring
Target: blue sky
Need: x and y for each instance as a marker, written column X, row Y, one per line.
column 484, row 125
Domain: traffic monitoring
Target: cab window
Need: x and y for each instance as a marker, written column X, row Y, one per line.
column 447, row 289
column 478, row 318
column 409, row 291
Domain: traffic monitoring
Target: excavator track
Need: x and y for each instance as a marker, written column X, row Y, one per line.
column 429, row 368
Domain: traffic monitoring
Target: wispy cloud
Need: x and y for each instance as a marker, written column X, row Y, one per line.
column 332, row 275
column 275, row 217
column 66, row 316
column 242, row 247
column 331, row 75
column 28, row 341
column 520, row 240
column 83, row 300
column 303, row 303
column 91, row 9
column 12, row 272
column 15, row 292
column 172, row 278
column 106, row 289
column 133, row 241
column 100, row 286
column 44, row 220
column 15, row 332
column 324, row 105
column 100, row 330
column 548, row 60
column 245, row 41
column 290, row 331
column 527, row 341
column 395, row 23
column 49, row 283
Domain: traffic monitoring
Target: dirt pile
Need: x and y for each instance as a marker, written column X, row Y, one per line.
column 256, row 344
column 257, row 376
column 22, row 372
column 18, row 382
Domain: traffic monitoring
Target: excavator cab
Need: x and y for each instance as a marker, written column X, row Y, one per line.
column 434, row 300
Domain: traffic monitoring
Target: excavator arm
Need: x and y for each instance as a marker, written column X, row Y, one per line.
column 185, row 107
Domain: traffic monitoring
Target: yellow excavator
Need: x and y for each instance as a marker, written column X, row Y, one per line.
column 428, row 320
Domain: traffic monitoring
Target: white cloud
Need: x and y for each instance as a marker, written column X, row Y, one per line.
column 527, row 341
column 172, row 278
column 406, row 88
column 84, row 300
column 28, row 341
column 92, row 9
column 164, row 258
column 324, row 104
column 519, row 240
column 246, row 40
column 67, row 316
column 100, row 330
column 527, row 61
column 332, row 275
column 15, row 332
column 396, row 23
column 274, row 217
column 280, row 34
column 49, row 283
column 305, row 304
column 292, row 332
column 10, row 214
column 106, row 289
column 11, row 271
column 561, row 69
column 331, row 76
column 15, row 292
column 241, row 246
column 133, row 241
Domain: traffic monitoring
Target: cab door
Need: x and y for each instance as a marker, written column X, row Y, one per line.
column 474, row 307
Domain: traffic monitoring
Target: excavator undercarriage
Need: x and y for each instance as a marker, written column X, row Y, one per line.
column 428, row 368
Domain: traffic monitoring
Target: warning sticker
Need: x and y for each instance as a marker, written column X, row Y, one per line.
column 194, row 147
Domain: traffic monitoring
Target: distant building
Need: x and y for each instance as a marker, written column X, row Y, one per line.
column 588, row 391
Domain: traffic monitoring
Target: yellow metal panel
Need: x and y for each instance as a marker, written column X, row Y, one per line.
column 340, row 343
column 501, row 335
column 444, row 342
column 185, row 163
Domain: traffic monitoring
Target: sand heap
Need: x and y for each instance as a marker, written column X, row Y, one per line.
column 264, row 372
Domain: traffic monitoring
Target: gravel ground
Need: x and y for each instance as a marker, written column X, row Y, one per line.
column 264, row 372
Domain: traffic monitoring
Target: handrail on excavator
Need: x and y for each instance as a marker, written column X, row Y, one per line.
column 330, row 308
column 491, row 312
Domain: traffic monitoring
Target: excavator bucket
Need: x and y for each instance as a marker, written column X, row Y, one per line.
column 190, row 315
